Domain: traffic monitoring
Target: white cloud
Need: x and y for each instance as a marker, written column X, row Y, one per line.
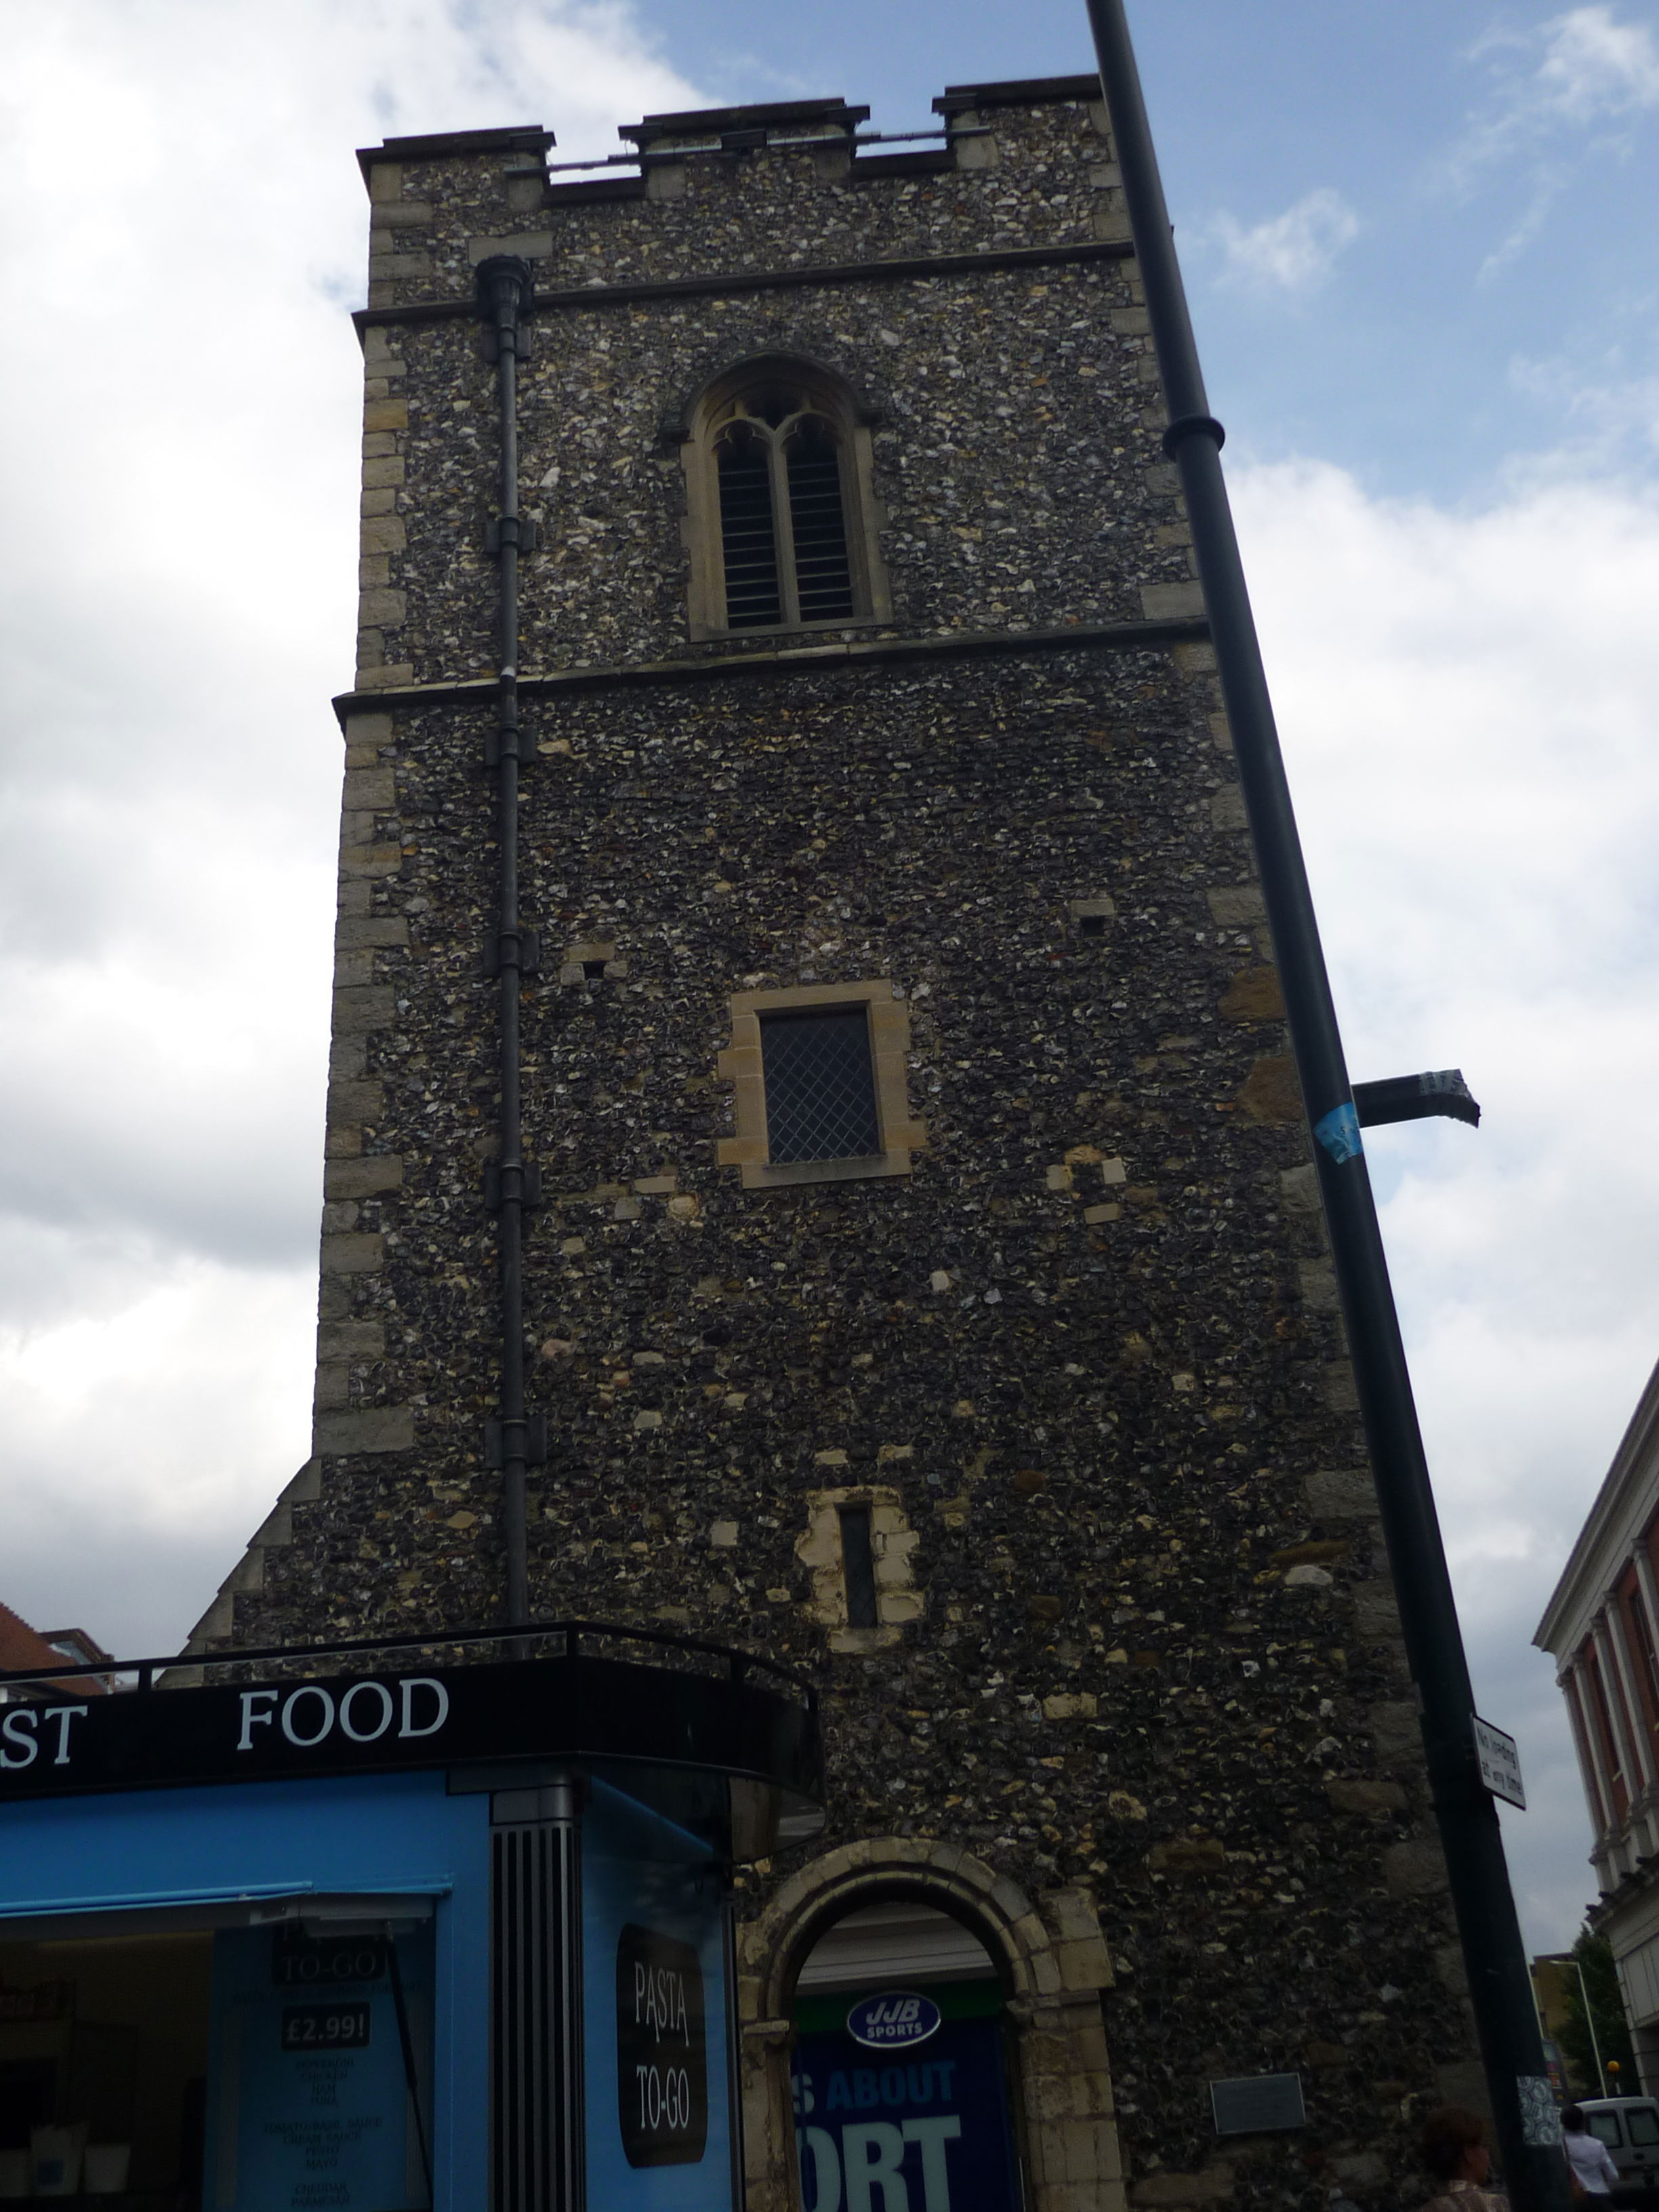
column 1574, row 83
column 1593, row 67
column 1580, row 71
column 149, row 1421
column 1466, row 701
column 1293, row 252
column 182, row 227
column 1609, row 402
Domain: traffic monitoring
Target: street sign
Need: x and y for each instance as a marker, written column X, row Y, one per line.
column 1500, row 1764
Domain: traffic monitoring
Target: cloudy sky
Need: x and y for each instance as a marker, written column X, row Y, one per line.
column 1418, row 240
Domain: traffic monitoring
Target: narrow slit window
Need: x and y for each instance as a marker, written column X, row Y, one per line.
column 820, row 1085
column 858, row 1559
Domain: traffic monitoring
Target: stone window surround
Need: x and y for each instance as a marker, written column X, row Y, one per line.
column 742, row 1064
column 893, row 1544
column 830, row 398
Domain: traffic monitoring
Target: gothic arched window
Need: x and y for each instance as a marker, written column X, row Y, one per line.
column 778, row 479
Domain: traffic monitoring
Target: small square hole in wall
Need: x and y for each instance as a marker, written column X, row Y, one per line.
column 586, row 963
column 1089, row 916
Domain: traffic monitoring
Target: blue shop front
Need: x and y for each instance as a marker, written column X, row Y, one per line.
column 393, row 1930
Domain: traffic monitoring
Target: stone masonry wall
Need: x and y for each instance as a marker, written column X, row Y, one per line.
column 1085, row 1361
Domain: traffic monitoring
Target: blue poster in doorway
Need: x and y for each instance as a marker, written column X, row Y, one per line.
column 903, row 2121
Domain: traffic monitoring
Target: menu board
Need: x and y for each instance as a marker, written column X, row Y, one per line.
column 309, row 2107
column 654, row 2014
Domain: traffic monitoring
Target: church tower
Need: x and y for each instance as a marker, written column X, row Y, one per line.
column 813, row 1161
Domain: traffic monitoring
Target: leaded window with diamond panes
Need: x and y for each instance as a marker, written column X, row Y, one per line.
column 820, row 1085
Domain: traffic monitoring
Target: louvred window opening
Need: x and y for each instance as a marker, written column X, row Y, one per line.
column 783, row 518
column 823, row 579
column 749, row 545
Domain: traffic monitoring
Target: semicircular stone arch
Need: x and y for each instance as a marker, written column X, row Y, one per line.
column 1048, row 1953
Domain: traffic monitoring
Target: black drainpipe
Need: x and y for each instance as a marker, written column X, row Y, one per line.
column 1500, row 1989
column 515, row 1440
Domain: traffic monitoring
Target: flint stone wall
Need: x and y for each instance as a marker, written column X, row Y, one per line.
column 1138, row 1637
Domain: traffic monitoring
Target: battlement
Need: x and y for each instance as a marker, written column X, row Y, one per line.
column 786, row 184
column 700, row 123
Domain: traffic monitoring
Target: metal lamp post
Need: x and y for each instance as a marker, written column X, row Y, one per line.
column 1527, row 2132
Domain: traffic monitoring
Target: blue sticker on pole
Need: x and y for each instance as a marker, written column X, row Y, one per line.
column 1339, row 1132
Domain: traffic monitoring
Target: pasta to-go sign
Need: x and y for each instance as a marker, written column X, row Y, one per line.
column 656, row 2073
column 662, row 2049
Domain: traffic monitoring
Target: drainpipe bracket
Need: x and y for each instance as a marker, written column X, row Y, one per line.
column 530, row 1184
column 515, row 530
column 511, row 743
column 499, row 952
column 518, row 342
column 533, row 1429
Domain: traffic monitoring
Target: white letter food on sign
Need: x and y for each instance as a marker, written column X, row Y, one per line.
column 296, row 1697
column 440, row 1711
column 252, row 1719
column 376, row 1728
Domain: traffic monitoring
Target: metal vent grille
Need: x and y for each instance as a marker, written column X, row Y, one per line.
column 823, row 581
column 748, row 542
column 536, row 2055
column 820, row 1090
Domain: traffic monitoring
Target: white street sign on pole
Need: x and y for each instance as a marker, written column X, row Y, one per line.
column 1500, row 1763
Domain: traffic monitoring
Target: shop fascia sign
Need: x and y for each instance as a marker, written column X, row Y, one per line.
column 550, row 1707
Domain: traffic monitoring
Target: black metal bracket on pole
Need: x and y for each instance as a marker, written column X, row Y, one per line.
column 1417, row 1098
column 504, row 299
column 1527, row 2135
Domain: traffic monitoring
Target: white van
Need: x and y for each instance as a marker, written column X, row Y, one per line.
column 1628, row 2126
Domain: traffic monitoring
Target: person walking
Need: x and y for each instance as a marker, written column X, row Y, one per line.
column 1589, row 2160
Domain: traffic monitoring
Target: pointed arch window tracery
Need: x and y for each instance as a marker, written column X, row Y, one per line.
column 782, row 537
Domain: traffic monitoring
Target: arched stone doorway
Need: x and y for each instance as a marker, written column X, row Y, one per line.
column 902, row 1913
